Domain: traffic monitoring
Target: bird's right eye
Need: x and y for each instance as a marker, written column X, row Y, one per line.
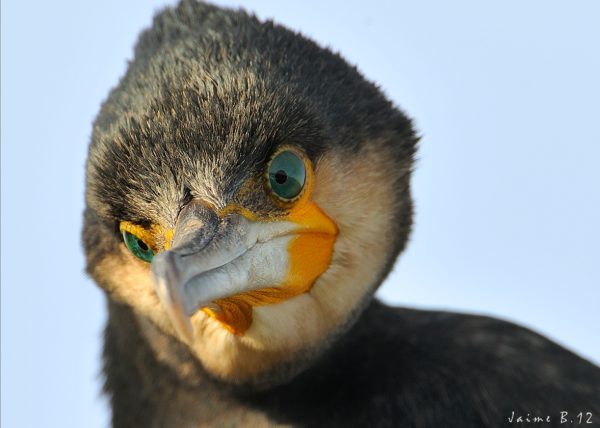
column 138, row 247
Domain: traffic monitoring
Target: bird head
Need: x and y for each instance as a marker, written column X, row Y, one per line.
column 247, row 191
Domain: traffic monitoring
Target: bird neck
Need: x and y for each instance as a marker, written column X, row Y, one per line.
column 136, row 344
column 149, row 373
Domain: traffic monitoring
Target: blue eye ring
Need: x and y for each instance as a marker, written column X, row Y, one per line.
column 286, row 175
column 138, row 247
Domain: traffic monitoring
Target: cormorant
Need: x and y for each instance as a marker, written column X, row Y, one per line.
column 247, row 192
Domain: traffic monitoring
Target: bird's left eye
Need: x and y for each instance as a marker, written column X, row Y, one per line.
column 138, row 247
column 286, row 175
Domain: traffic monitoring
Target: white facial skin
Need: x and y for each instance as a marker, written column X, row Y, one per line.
column 253, row 256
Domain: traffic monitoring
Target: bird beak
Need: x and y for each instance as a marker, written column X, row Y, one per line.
column 214, row 257
column 187, row 276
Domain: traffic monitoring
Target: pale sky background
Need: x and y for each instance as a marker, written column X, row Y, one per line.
column 506, row 95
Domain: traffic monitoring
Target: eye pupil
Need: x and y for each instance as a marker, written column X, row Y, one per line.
column 142, row 245
column 280, row 177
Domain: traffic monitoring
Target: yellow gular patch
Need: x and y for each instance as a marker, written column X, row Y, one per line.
column 310, row 254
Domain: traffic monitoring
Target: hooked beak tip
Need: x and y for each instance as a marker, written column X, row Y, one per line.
column 163, row 274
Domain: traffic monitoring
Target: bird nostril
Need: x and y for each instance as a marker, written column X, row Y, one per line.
column 280, row 177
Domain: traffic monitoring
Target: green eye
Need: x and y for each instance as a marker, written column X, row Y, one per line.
column 138, row 247
column 287, row 175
